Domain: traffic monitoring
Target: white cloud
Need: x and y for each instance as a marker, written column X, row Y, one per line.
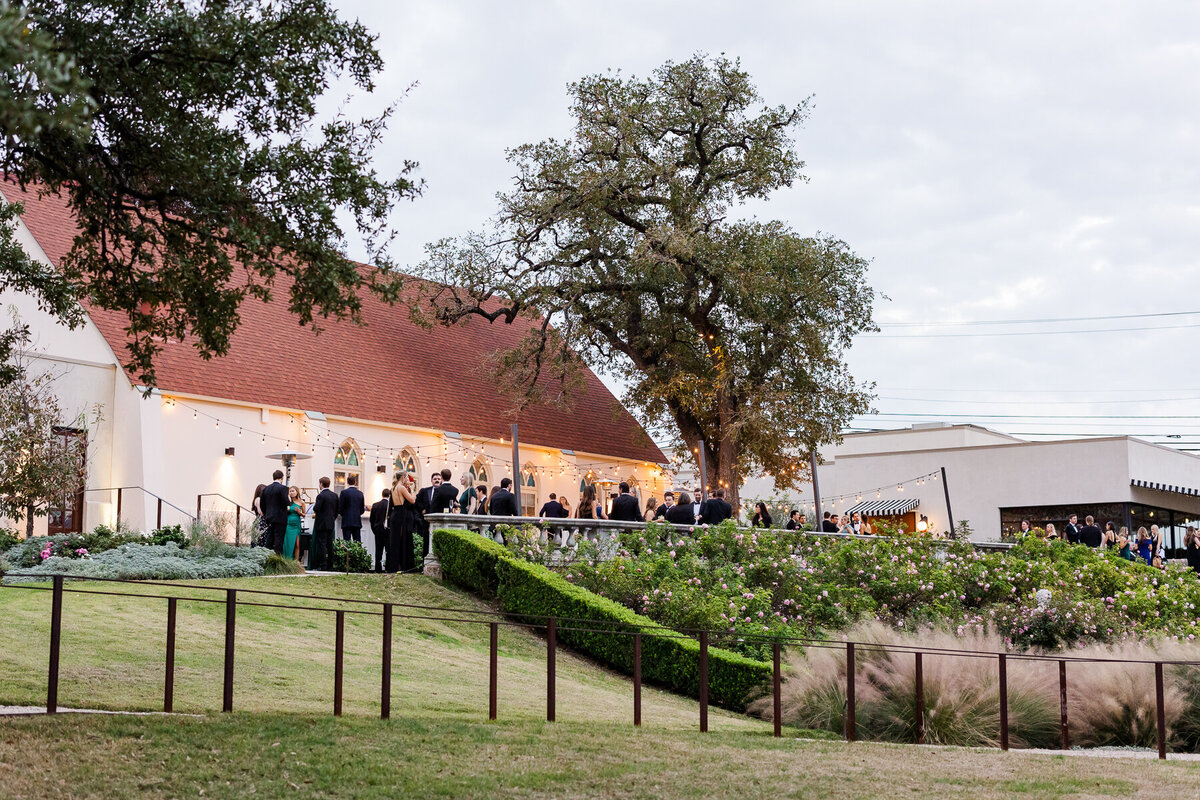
column 993, row 159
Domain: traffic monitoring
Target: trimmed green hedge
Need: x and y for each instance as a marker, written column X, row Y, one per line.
column 480, row 565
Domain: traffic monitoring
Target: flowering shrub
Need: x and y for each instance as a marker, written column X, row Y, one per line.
column 768, row 583
column 29, row 552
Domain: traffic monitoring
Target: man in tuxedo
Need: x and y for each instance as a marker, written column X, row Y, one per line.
column 715, row 510
column 351, row 505
column 682, row 513
column 379, row 526
column 504, row 502
column 667, row 504
column 325, row 510
column 697, row 505
column 793, row 523
column 553, row 509
column 1071, row 531
column 274, row 503
column 625, row 507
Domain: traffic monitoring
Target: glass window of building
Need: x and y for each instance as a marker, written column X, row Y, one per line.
column 347, row 461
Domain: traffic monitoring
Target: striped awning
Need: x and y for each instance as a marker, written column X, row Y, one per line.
column 884, row 508
column 1165, row 487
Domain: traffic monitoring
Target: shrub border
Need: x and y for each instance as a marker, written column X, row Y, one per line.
column 482, row 566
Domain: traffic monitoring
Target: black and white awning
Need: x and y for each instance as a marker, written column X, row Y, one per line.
column 884, row 508
column 1165, row 487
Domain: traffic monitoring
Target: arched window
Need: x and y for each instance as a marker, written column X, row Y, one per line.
column 406, row 464
column 478, row 473
column 347, row 461
column 529, row 492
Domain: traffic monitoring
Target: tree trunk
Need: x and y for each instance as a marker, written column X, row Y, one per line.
column 29, row 521
column 725, row 470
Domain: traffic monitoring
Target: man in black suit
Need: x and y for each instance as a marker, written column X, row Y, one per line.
column 351, row 505
column 829, row 523
column 274, row 503
column 1071, row 531
column 1090, row 534
column 682, row 513
column 625, row 506
column 715, row 510
column 667, row 504
column 437, row 498
column 325, row 510
column 553, row 509
column 504, row 502
column 379, row 527
column 793, row 523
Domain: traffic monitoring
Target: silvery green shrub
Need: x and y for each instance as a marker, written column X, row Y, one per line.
column 152, row 562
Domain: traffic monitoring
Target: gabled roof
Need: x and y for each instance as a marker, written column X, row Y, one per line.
column 388, row 369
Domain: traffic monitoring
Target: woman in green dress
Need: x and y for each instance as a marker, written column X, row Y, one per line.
column 291, row 539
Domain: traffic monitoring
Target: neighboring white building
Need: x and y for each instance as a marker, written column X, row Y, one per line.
column 366, row 401
column 996, row 480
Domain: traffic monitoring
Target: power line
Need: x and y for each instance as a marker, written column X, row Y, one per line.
column 1040, row 402
column 952, row 323
column 1022, row 333
column 1034, row 416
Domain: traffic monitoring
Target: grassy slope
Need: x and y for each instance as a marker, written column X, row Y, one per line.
column 265, row 755
column 112, row 657
column 283, row 742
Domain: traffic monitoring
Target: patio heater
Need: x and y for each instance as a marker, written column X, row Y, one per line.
column 289, row 459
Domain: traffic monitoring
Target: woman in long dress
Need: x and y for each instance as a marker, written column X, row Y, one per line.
column 402, row 522
column 291, row 539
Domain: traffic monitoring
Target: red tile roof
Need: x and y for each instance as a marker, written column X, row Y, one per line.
column 388, row 369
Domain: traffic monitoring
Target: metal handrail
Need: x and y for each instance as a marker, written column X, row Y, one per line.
column 479, row 522
column 161, row 501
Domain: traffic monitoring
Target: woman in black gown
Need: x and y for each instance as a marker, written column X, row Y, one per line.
column 402, row 522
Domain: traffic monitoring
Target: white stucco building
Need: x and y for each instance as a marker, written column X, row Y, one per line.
column 365, row 400
column 996, row 480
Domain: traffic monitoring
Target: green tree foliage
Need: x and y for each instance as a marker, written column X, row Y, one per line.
column 732, row 332
column 186, row 138
column 41, row 466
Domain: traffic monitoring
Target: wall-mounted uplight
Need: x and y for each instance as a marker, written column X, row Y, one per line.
column 229, row 451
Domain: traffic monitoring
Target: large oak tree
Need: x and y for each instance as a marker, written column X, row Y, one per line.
column 187, row 139
column 622, row 241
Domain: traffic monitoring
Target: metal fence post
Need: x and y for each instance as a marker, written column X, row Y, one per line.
column 385, row 677
column 169, row 682
column 551, row 646
column 637, row 679
column 1065, row 734
column 1160, row 710
column 1003, row 701
column 919, row 680
column 493, row 669
column 158, row 526
column 199, row 498
column 777, row 690
column 704, row 681
column 851, row 721
column 119, row 508
column 339, row 653
column 55, row 642
column 230, row 620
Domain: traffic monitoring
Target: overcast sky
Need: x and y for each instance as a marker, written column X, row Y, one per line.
column 993, row 160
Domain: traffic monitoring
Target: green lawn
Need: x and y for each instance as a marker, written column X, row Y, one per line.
column 316, row 756
column 112, row 657
column 282, row 740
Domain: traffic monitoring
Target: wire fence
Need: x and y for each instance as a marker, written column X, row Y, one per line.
column 550, row 627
